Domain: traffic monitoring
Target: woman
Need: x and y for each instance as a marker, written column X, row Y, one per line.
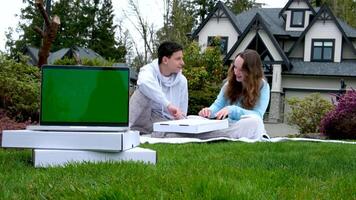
column 243, row 99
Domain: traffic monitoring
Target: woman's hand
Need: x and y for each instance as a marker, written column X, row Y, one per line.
column 222, row 114
column 205, row 112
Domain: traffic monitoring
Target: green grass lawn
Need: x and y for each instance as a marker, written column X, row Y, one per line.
column 219, row 170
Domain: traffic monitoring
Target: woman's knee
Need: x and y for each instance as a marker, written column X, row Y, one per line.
column 251, row 121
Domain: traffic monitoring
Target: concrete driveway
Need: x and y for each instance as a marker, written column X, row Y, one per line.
column 280, row 129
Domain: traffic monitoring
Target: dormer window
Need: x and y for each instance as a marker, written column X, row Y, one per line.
column 297, row 19
column 323, row 50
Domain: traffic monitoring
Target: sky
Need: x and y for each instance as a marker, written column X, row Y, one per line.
column 152, row 10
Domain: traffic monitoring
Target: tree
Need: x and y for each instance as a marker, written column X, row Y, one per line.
column 344, row 9
column 238, row 6
column 179, row 20
column 48, row 33
column 203, row 8
column 204, row 71
column 103, row 32
column 84, row 23
column 28, row 36
column 146, row 31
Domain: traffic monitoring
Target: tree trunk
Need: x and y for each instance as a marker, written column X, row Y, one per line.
column 48, row 34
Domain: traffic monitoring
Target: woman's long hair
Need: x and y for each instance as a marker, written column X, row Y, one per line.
column 247, row 91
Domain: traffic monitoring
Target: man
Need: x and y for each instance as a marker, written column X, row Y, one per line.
column 162, row 92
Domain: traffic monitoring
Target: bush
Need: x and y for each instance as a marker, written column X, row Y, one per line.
column 84, row 61
column 340, row 123
column 307, row 112
column 204, row 71
column 199, row 99
column 8, row 124
column 19, row 88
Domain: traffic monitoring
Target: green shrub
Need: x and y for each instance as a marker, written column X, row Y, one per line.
column 197, row 77
column 84, row 61
column 205, row 72
column 199, row 99
column 19, row 88
column 307, row 112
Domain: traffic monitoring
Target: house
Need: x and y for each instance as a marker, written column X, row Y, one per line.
column 79, row 53
column 303, row 49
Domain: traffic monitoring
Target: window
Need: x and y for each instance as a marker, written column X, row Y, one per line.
column 322, row 50
column 219, row 41
column 297, row 19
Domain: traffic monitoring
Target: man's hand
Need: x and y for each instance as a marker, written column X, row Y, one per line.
column 205, row 112
column 175, row 112
column 222, row 114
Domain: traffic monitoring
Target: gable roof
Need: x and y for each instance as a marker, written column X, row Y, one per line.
column 324, row 9
column 74, row 51
column 32, row 52
column 270, row 17
column 286, row 7
column 258, row 22
column 57, row 55
column 230, row 15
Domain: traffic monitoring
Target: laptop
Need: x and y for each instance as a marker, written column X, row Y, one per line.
column 84, row 98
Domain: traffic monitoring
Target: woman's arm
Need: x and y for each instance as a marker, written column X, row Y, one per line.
column 260, row 108
column 219, row 103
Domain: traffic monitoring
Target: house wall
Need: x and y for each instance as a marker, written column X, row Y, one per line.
column 243, row 45
column 218, row 27
column 269, row 44
column 321, row 30
column 297, row 5
column 301, row 86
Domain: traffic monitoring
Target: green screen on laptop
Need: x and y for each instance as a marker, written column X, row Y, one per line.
column 82, row 95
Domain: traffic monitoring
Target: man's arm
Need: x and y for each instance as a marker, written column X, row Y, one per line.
column 149, row 86
column 185, row 95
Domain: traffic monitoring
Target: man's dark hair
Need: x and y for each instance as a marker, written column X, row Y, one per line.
column 167, row 49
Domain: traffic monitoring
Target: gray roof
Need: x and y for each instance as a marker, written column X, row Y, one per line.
column 273, row 20
column 349, row 31
column 57, row 55
column 270, row 17
column 86, row 53
column 60, row 54
column 32, row 52
column 80, row 52
column 276, row 23
column 344, row 68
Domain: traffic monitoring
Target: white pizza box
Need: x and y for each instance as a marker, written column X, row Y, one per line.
column 191, row 125
column 96, row 141
column 54, row 157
